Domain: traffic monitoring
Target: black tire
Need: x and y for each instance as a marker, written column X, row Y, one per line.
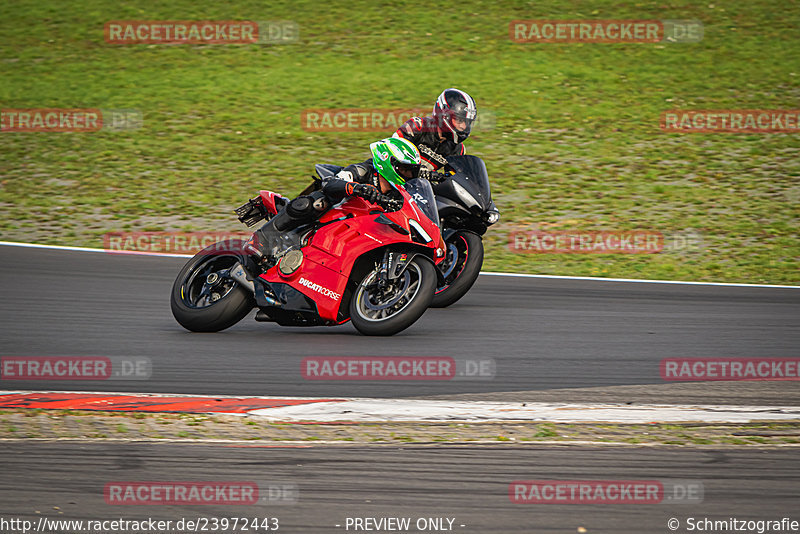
column 467, row 250
column 412, row 295
column 234, row 302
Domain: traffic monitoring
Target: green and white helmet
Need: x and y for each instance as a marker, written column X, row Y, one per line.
column 396, row 159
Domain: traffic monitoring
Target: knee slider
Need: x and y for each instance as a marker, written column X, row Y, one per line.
column 300, row 208
column 298, row 211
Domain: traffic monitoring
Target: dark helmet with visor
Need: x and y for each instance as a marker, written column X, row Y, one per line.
column 455, row 112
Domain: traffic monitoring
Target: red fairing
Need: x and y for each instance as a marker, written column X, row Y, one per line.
column 359, row 207
column 334, row 249
column 268, row 199
column 322, row 285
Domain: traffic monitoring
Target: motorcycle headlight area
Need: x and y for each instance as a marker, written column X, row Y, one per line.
column 492, row 217
column 419, row 230
column 464, row 195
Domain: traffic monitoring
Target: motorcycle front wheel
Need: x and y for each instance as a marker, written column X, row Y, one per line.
column 384, row 310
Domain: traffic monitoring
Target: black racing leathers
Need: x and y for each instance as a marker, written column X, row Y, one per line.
column 433, row 149
column 364, row 173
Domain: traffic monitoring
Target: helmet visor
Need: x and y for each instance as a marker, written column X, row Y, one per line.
column 407, row 171
column 460, row 123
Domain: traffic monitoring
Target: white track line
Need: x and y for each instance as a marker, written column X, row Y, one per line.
column 517, row 275
column 639, row 280
column 87, row 249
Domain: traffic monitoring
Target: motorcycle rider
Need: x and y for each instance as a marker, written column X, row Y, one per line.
column 419, row 142
column 394, row 160
column 443, row 133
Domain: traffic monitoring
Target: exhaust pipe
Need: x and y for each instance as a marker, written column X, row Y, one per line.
column 240, row 276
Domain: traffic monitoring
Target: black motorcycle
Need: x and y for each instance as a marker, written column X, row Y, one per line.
column 466, row 211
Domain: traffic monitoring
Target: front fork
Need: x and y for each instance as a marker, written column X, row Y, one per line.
column 394, row 264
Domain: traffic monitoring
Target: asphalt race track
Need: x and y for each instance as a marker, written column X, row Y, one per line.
column 467, row 484
column 550, row 338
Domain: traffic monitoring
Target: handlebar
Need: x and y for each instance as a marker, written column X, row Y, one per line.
column 383, row 201
column 435, row 177
column 439, row 177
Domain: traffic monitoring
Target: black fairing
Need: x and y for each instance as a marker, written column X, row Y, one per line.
column 470, row 174
column 295, row 308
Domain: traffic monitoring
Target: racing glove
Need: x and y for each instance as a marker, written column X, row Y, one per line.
column 366, row 191
column 432, row 176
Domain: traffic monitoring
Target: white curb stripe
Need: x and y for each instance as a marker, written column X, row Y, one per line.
column 399, row 410
column 486, row 273
column 160, row 395
column 412, row 410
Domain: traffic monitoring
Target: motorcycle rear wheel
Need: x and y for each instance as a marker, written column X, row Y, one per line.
column 204, row 300
column 461, row 268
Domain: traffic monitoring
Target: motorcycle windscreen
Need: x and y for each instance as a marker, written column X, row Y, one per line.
column 474, row 170
column 422, row 193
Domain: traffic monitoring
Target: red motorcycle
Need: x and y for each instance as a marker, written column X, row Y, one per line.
column 354, row 262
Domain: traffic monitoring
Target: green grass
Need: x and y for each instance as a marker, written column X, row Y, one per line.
column 576, row 143
column 546, row 431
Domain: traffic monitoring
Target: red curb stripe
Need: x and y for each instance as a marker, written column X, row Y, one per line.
column 145, row 403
